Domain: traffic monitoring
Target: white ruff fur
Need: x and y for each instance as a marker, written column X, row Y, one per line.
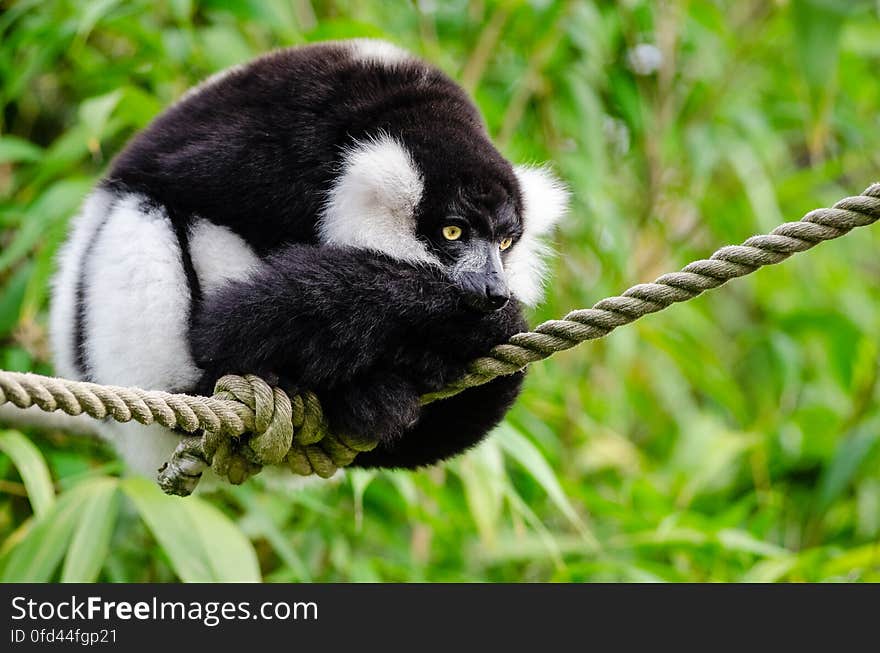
column 219, row 255
column 377, row 50
column 545, row 201
column 137, row 303
column 372, row 204
column 62, row 315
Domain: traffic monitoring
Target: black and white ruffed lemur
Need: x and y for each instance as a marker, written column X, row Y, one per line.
column 333, row 216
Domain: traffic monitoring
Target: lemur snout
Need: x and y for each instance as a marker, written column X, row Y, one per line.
column 485, row 291
column 483, row 279
column 496, row 294
column 486, row 302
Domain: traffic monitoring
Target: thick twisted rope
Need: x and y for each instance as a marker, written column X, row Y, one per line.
column 293, row 430
column 280, row 429
column 640, row 300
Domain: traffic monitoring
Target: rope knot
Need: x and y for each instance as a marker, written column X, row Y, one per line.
column 315, row 449
column 271, row 430
column 267, row 417
column 277, row 429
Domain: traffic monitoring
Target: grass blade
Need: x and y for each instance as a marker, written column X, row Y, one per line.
column 91, row 539
column 518, row 447
column 202, row 545
column 32, row 468
column 37, row 556
column 229, row 554
column 169, row 522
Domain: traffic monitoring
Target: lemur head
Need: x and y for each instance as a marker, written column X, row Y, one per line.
column 459, row 206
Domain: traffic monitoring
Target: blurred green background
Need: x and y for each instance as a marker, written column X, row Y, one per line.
column 731, row 438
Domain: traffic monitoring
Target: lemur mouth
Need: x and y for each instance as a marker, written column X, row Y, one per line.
column 486, row 303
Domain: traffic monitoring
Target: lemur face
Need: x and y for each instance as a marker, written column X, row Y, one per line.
column 484, row 226
column 472, row 237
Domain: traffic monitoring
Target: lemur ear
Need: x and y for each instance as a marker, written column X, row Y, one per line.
column 545, row 200
column 373, row 201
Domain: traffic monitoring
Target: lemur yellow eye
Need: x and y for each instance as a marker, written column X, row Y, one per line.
column 507, row 242
column 451, row 232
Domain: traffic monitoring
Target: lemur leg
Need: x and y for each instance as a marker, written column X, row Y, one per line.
column 447, row 427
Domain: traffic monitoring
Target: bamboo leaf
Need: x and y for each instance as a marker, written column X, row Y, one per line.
column 518, row 447
column 848, row 458
column 91, row 539
column 230, row 556
column 37, row 556
column 16, row 150
column 202, row 545
column 169, row 522
column 32, row 468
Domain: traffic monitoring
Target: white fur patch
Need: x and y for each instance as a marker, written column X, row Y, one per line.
column 545, row 201
column 136, row 305
column 63, row 312
column 377, row 51
column 219, row 255
column 143, row 448
column 372, row 204
column 137, row 302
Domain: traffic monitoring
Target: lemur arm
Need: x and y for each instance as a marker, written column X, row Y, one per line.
column 369, row 361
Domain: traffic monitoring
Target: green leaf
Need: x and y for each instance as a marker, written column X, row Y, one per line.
column 16, row 150
column 817, row 28
column 518, row 447
column 770, row 570
column 95, row 112
column 32, row 468
column 224, row 47
column 37, row 556
column 169, row 521
column 263, row 522
column 738, row 540
column 201, row 543
column 230, row 555
column 136, row 107
column 182, row 10
column 360, row 481
column 56, row 203
column 91, row 14
column 485, row 486
column 91, row 539
column 848, row 457
column 852, row 561
column 11, row 298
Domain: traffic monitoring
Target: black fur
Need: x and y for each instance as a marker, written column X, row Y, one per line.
column 369, row 335
column 257, row 152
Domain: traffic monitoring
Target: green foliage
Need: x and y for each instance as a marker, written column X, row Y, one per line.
column 200, row 542
column 731, row 438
